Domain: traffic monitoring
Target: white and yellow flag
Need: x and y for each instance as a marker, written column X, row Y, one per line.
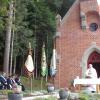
column 29, row 66
column 53, row 68
column 43, row 62
column 29, row 63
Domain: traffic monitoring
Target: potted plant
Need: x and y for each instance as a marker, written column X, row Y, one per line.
column 15, row 94
column 50, row 87
column 17, row 89
column 64, row 94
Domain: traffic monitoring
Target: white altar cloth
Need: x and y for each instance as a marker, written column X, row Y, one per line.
column 86, row 81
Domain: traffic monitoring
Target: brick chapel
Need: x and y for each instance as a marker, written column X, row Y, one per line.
column 77, row 41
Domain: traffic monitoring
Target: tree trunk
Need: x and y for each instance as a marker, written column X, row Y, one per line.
column 8, row 39
column 14, row 69
column 12, row 43
column 11, row 53
column 22, row 67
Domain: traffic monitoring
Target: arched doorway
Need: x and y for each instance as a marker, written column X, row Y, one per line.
column 94, row 59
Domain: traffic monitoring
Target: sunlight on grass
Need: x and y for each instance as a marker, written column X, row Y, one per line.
column 36, row 84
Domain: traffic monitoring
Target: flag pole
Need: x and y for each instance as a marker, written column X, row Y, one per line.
column 31, row 85
column 29, row 66
column 41, row 83
column 53, row 63
column 54, row 48
column 47, row 62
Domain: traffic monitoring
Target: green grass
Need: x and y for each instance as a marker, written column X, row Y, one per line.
column 36, row 84
column 85, row 96
column 5, row 92
column 49, row 98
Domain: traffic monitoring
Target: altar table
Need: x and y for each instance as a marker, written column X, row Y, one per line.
column 83, row 81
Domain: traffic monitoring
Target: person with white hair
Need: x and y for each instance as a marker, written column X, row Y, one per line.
column 91, row 73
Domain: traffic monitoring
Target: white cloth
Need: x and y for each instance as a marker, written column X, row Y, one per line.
column 91, row 88
column 29, row 63
column 91, row 72
column 98, row 1
column 89, row 84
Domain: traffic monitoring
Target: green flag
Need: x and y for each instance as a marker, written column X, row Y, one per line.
column 43, row 62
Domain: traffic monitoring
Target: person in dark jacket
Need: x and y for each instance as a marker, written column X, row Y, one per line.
column 3, row 81
column 18, row 81
column 10, row 82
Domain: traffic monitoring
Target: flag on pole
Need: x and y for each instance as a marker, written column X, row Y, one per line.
column 53, row 63
column 29, row 66
column 43, row 62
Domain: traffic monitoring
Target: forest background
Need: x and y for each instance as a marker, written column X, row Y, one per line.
column 28, row 21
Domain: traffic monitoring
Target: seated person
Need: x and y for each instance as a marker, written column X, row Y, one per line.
column 10, row 82
column 3, row 81
column 18, row 81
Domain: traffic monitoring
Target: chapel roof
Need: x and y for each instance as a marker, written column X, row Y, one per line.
column 73, row 6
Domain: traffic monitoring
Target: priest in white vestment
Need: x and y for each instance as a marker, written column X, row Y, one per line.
column 91, row 73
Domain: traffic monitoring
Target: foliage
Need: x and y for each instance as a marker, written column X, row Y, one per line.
column 34, row 19
column 42, row 21
column 49, row 98
column 34, row 22
column 55, row 5
column 60, row 6
column 3, row 7
column 84, row 96
column 96, row 96
column 5, row 92
column 65, row 7
column 23, row 34
column 3, row 14
column 89, row 96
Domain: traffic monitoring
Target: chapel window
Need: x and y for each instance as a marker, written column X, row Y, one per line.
column 93, row 27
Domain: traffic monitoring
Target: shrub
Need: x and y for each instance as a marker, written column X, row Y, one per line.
column 84, row 96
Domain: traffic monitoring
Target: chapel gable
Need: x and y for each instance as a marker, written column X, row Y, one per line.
column 89, row 9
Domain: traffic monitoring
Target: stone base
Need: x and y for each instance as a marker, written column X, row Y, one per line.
column 15, row 96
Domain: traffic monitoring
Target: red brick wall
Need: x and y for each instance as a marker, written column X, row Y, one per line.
column 73, row 42
column 89, row 5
